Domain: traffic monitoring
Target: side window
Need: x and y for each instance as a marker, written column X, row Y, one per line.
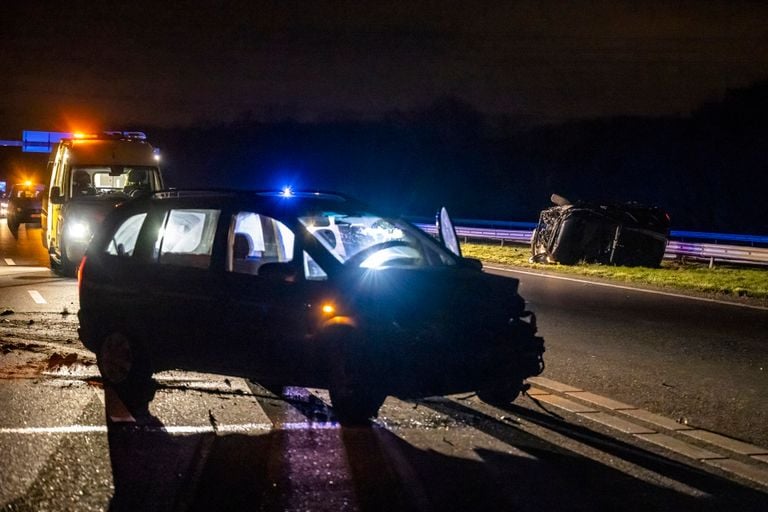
column 187, row 237
column 256, row 239
column 313, row 271
column 123, row 242
column 59, row 170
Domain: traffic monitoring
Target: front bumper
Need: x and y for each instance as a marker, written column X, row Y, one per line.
column 418, row 367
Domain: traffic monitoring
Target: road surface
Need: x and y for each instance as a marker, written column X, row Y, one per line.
column 648, row 402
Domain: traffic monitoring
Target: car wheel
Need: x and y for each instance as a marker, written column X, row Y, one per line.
column 14, row 227
column 124, row 365
column 501, row 394
column 355, row 407
column 354, row 398
column 64, row 267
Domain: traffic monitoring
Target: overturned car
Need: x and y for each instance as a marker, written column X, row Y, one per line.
column 627, row 234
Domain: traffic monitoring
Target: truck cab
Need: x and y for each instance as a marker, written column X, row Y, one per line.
column 90, row 175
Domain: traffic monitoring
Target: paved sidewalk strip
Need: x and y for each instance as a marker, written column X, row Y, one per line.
column 602, row 401
column 619, row 424
column 656, row 420
column 681, row 447
column 755, row 473
column 564, row 403
column 537, row 392
column 553, row 385
column 727, row 443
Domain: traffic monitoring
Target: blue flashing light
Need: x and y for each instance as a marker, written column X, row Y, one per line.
column 287, row 192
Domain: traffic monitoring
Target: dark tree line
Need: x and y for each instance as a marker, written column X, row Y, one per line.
column 707, row 169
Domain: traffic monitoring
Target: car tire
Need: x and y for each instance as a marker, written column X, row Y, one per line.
column 355, row 399
column 125, row 367
column 14, row 227
column 65, row 267
column 501, row 394
column 355, row 408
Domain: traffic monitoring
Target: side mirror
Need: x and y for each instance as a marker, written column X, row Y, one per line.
column 447, row 233
column 472, row 263
column 56, row 197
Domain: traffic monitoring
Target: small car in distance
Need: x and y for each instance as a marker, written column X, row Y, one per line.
column 24, row 204
column 298, row 289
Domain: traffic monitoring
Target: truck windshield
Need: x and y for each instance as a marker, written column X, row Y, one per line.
column 103, row 180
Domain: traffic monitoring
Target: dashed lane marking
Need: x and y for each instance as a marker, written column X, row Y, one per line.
column 37, row 297
column 9, row 261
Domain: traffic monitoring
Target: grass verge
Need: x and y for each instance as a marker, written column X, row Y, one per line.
column 727, row 281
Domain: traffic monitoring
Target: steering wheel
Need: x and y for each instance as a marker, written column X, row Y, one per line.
column 360, row 257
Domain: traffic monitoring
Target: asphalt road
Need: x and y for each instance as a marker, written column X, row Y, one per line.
column 693, row 359
column 26, row 282
column 622, row 418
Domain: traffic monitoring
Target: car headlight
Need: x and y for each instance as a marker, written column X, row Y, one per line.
column 79, row 230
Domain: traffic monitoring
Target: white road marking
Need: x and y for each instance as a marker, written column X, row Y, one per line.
column 631, row 288
column 37, row 297
column 176, row 429
column 9, row 270
column 9, row 261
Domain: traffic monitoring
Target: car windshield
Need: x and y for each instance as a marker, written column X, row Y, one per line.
column 368, row 241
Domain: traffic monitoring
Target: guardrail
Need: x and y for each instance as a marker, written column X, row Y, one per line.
column 675, row 249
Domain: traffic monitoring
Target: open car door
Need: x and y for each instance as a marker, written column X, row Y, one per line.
column 447, row 233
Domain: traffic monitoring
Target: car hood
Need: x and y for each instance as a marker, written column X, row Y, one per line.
column 93, row 209
column 26, row 202
column 456, row 298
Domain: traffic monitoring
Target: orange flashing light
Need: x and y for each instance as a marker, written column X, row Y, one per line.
column 81, row 135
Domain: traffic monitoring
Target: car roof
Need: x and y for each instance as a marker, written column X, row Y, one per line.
column 288, row 203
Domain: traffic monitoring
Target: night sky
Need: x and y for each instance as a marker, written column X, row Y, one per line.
column 486, row 107
column 103, row 64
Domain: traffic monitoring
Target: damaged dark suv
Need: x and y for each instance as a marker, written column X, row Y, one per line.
column 628, row 234
column 299, row 289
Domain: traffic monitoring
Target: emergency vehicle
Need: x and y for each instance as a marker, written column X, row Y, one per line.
column 90, row 175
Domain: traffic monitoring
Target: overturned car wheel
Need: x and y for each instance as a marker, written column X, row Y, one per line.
column 125, row 367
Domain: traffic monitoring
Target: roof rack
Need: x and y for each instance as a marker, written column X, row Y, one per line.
column 210, row 192
column 127, row 135
column 109, row 135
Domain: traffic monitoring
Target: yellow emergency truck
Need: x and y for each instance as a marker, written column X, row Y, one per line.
column 90, row 175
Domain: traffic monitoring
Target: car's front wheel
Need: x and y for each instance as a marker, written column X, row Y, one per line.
column 13, row 226
column 125, row 367
column 501, row 394
column 65, row 266
column 354, row 396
